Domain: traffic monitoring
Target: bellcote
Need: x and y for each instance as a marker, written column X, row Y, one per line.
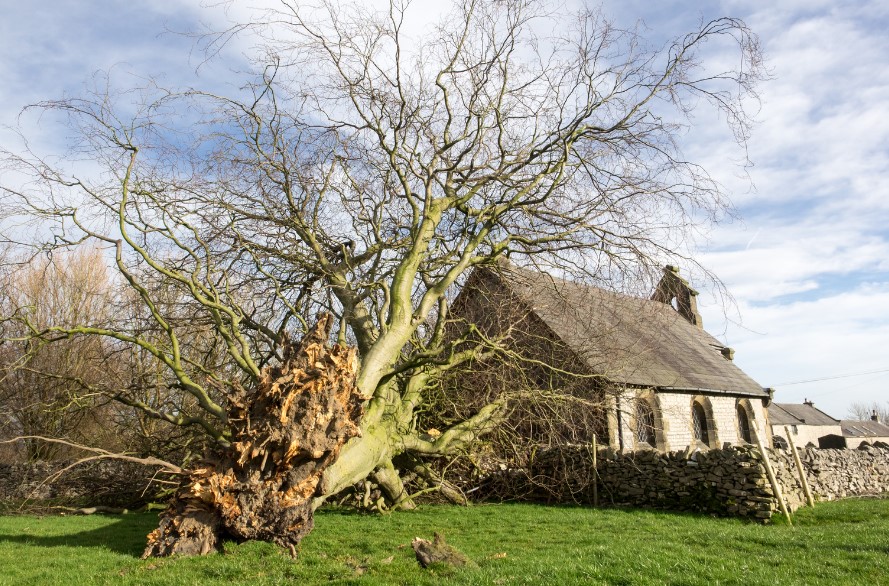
column 675, row 291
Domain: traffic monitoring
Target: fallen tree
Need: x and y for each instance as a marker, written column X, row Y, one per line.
column 364, row 175
column 285, row 432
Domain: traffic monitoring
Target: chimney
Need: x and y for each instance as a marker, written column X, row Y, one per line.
column 672, row 286
column 808, row 402
column 873, row 416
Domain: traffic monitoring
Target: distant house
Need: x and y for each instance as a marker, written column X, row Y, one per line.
column 859, row 432
column 811, row 426
column 661, row 381
column 806, row 425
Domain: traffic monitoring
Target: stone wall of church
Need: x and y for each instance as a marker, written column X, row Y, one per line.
column 673, row 415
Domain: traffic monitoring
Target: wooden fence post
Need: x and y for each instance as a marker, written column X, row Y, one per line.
column 776, row 488
column 799, row 466
column 595, row 473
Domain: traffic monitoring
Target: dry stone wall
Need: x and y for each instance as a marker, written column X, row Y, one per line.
column 833, row 474
column 731, row 481
column 111, row 483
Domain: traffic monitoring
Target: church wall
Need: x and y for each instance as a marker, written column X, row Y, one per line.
column 674, row 417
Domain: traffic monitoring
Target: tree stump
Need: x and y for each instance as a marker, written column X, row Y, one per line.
column 285, row 432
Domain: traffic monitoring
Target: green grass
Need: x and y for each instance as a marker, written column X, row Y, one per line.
column 844, row 542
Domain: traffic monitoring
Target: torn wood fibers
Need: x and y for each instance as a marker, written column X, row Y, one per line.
column 285, row 431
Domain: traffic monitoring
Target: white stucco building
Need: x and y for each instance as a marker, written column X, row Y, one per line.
column 805, row 424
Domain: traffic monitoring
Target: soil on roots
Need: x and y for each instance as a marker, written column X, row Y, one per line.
column 286, row 431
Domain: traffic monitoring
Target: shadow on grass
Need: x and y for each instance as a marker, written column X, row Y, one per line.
column 125, row 535
column 337, row 510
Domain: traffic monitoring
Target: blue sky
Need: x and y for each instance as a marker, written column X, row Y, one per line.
column 807, row 262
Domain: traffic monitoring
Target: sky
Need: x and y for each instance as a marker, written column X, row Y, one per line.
column 807, row 259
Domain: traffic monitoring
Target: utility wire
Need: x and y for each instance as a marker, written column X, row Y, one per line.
column 815, row 380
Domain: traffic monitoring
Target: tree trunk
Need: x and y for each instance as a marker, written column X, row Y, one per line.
column 285, row 432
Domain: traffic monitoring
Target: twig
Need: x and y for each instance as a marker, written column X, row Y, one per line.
column 100, row 455
column 103, row 454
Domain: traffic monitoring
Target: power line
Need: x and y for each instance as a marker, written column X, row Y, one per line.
column 815, row 380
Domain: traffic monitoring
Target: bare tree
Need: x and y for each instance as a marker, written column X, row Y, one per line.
column 867, row 411
column 363, row 173
column 38, row 392
column 67, row 389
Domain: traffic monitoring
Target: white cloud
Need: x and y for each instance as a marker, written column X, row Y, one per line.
column 809, row 263
column 840, row 334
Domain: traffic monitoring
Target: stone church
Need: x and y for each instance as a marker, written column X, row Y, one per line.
column 661, row 381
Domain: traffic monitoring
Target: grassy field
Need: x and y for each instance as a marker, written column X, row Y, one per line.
column 836, row 543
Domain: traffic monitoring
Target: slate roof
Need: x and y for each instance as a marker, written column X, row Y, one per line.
column 865, row 429
column 629, row 340
column 793, row 414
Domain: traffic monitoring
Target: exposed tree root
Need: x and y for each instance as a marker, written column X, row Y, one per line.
column 285, row 432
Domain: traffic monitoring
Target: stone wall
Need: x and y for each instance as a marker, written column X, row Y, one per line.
column 111, row 483
column 730, row 481
column 832, row 474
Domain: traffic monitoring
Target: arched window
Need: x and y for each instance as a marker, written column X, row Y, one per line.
column 699, row 423
column 645, row 430
column 744, row 424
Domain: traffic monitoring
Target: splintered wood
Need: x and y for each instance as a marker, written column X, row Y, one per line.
column 285, row 432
